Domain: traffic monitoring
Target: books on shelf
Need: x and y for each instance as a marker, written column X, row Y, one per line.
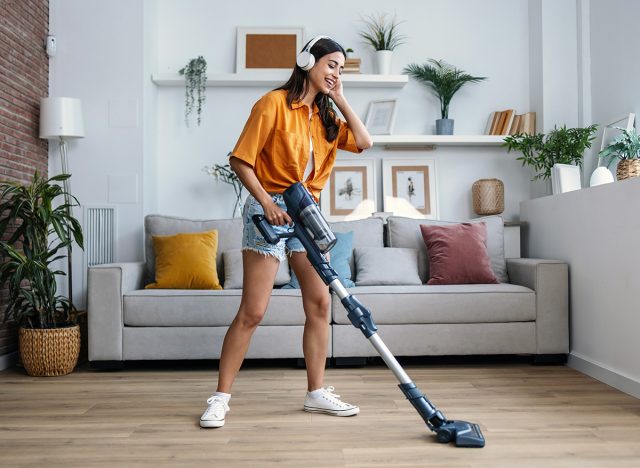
column 507, row 122
column 352, row 65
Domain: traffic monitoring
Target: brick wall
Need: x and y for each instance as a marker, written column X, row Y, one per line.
column 24, row 79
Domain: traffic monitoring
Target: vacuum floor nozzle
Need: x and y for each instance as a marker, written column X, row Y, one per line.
column 462, row 433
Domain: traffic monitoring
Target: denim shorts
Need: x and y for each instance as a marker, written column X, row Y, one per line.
column 253, row 240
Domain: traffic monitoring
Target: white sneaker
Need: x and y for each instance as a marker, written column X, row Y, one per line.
column 214, row 415
column 329, row 403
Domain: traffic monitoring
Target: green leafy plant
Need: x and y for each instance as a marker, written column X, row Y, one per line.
column 381, row 32
column 36, row 231
column 443, row 79
column 195, row 74
column 226, row 174
column 561, row 146
column 625, row 146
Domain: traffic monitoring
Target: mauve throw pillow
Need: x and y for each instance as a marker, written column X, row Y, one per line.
column 458, row 254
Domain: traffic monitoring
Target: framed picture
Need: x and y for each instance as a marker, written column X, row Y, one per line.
column 350, row 192
column 381, row 117
column 409, row 187
column 267, row 49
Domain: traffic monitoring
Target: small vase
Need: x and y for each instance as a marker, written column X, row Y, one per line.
column 383, row 62
column 600, row 176
column 444, row 127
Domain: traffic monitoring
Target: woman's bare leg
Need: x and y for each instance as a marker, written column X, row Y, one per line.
column 315, row 299
column 259, row 272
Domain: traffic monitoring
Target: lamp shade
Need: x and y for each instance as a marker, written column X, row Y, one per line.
column 61, row 117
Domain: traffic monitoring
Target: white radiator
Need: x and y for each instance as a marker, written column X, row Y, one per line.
column 99, row 235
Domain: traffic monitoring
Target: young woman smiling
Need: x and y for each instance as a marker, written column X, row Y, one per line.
column 292, row 135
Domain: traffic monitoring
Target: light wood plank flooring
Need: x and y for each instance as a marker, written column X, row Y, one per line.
column 148, row 416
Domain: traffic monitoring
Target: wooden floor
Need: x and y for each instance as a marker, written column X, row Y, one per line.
column 148, row 416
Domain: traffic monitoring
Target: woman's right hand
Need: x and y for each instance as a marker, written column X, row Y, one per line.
column 275, row 215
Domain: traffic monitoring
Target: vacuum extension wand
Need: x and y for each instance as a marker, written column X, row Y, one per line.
column 317, row 238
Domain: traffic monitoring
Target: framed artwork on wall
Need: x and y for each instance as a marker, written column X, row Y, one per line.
column 350, row 193
column 381, row 116
column 409, row 187
column 267, row 49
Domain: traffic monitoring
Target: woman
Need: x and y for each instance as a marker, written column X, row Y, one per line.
column 292, row 135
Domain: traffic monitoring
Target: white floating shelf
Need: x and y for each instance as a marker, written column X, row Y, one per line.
column 417, row 141
column 272, row 79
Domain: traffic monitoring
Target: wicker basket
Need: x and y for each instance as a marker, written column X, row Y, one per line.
column 488, row 196
column 628, row 168
column 49, row 351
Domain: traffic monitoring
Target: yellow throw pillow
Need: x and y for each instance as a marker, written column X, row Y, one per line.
column 186, row 261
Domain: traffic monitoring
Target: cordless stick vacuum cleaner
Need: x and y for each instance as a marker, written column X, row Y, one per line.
column 317, row 238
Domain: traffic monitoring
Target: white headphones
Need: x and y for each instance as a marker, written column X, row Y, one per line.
column 305, row 59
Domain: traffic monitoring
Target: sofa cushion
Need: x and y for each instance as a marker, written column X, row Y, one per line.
column 386, row 265
column 201, row 308
column 233, row 272
column 405, row 232
column 367, row 232
column 457, row 303
column 186, row 261
column 458, row 254
column 229, row 236
column 339, row 259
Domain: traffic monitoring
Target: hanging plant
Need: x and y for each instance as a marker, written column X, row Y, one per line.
column 195, row 77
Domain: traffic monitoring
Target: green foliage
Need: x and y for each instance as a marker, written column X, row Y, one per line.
column 443, row 79
column 625, row 146
column 28, row 219
column 381, row 33
column 195, row 74
column 561, row 146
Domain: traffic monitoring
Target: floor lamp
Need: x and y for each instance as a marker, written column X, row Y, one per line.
column 61, row 119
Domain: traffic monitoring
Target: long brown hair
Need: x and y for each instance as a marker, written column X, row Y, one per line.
column 298, row 84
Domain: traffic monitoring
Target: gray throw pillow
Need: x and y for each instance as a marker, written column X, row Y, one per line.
column 233, row 270
column 377, row 266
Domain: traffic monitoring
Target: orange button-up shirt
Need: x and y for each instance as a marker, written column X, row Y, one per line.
column 275, row 142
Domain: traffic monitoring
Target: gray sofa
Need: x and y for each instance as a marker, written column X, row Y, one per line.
column 527, row 313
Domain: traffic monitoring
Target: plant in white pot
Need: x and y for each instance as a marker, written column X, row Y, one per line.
column 381, row 33
column 34, row 232
column 444, row 80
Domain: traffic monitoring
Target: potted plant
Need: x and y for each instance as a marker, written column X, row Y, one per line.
column 561, row 146
column 381, row 33
column 35, row 232
column 626, row 150
column 195, row 76
column 444, row 80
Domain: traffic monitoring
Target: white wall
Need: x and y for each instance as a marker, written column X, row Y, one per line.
column 99, row 60
column 614, row 71
column 595, row 230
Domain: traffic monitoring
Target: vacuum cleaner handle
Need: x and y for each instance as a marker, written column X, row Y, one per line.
column 265, row 229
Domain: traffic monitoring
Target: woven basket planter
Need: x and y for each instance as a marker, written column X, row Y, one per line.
column 628, row 168
column 48, row 352
column 488, row 196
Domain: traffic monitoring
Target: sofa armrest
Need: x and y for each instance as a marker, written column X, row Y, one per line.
column 550, row 281
column 106, row 286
